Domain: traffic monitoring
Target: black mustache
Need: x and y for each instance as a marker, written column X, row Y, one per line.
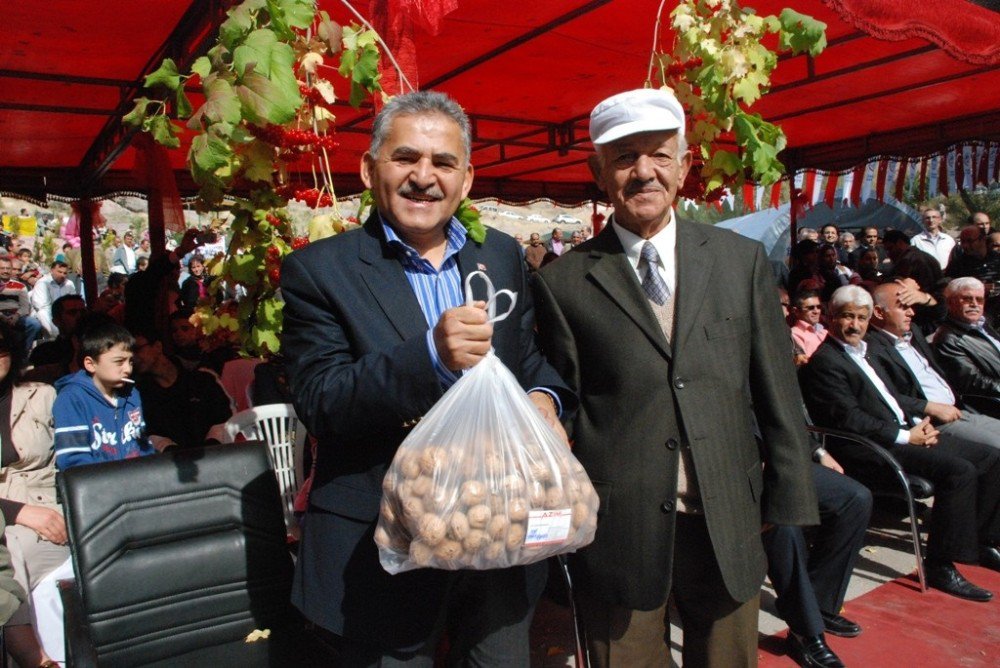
column 409, row 191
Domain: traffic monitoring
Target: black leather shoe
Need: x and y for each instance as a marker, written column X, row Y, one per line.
column 947, row 578
column 989, row 557
column 840, row 626
column 812, row 651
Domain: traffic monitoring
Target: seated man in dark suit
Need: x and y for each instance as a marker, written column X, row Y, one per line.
column 811, row 578
column 843, row 389
column 911, row 262
column 967, row 347
column 911, row 366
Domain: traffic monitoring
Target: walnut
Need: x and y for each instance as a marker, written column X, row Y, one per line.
column 413, row 509
column 495, row 554
column 515, row 537
column 422, row 485
column 473, row 493
column 448, row 551
column 421, row 554
column 432, row 458
column 540, row 471
column 554, row 498
column 479, row 516
column 517, row 509
column 497, row 527
column 514, row 485
column 458, row 526
column 581, row 511
column 475, row 541
column 431, row 529
column 409, row 466
column 536, row 494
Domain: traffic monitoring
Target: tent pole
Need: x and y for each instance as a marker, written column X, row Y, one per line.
column 793, row 227
column 89, row 270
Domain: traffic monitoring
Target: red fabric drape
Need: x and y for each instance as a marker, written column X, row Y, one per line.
column 830, row 196
column 967, row 30
column 394, row 20
column 901, row 179
column 152, row 168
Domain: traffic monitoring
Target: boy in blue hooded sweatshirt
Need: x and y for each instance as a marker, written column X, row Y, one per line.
column 97, row 413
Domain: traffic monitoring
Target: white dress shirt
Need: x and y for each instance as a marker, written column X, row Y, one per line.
column 857, row 355
column 665, row 243
column 935, row 387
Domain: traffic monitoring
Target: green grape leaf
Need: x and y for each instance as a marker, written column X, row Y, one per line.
column 137, row 116
column 725, row 161
column 239, row 22
column 365, row 201
column 183, row 103
column 801, row 33
column 163, row 131
column 288, row 14
column 263, row 102
column 749, row 89
column 209, row 153
column 166, row 75
column 244, row 268
column 468, row 216
column 202, row 67
column 365, row 75
column 258, row 162
column 221, row 102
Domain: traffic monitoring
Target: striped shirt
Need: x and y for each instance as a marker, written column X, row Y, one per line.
column 437, row 290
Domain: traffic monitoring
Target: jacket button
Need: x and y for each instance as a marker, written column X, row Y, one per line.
column 671, row 444
column 668, row 506
column 679, row 383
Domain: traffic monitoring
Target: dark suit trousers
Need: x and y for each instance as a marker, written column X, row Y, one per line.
column 718, row 631
column 808, row 581
column 966, row 479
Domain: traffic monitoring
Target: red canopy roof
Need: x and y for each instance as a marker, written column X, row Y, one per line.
column 528, row 72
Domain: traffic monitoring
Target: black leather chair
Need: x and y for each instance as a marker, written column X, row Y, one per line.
column 874, row 467
column 178, row 558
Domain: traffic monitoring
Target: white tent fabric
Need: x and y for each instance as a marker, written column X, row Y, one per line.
column 770, row 226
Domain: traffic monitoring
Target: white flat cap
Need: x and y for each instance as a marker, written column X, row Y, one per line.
column 642, row 110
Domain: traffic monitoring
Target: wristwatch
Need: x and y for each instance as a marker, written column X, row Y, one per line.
column 819, row 453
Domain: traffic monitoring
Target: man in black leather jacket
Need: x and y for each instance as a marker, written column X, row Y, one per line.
column 968, row 348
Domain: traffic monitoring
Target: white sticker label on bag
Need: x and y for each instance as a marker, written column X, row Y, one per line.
column 546, row 527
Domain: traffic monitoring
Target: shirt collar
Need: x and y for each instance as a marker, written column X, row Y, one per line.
column 802, row 324
column 860, row 350
column 664, row 241
column 454, row 233
column 898, row 341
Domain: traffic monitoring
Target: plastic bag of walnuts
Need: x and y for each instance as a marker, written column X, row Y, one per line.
column 483, row 482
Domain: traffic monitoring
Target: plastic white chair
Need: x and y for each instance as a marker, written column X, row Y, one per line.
column 279, row 427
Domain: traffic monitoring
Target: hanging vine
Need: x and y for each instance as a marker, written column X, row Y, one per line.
column 718, row 66
column 268, row 117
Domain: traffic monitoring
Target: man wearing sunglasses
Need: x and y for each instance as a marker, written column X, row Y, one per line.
column 807, row 331
column 969, row 348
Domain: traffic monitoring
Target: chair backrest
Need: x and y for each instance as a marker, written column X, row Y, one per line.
column 177, row 553
column 279, row 427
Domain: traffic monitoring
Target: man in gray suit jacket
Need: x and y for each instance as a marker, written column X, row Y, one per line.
column 672, row 336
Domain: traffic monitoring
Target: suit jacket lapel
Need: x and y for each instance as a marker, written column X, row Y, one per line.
column 614, row 274
column 694, row 271
column 383, row 274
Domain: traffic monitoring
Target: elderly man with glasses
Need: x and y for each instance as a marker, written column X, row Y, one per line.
column 967, row 346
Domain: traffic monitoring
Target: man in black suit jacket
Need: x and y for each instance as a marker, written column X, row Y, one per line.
column 667, row 396
column 843, row 389
column 374, row 329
